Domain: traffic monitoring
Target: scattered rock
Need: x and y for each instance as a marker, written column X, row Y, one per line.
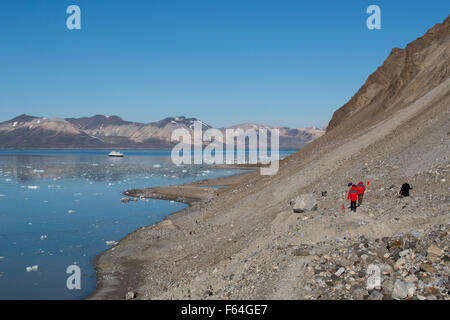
column 403, row 289
column 435, row 251
column 360, row 294
column 374, row 279
column 400, row 263
column 386, row 269
column 339, row 272
column 299, row 252
column 375, row 295
column 304, row 202
column 130, row 295
column 443, row 283
column 168, row 224
column 432, row 291
column 427, row 268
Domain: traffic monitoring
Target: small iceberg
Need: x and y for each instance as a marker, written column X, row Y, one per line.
column 33, row 268
column 70, row 211
column 43, row 237
column 33, row 187
column 111, row 243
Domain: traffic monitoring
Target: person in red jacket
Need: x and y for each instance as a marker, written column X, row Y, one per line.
column 361, row 189
column 353, row 196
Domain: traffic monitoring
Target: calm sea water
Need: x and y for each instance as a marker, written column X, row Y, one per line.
column 59, row 208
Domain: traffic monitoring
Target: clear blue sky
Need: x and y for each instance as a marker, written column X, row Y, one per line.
column 278, row 62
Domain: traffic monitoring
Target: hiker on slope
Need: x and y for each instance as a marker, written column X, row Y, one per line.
column 361, row 189
column 404, row 190
column 353, row 196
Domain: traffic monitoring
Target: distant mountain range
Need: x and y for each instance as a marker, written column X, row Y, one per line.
column 101, row 131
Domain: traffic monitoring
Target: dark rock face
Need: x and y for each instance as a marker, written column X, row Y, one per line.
column 402, row 77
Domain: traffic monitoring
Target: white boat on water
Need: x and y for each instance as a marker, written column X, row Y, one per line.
column 115, row 154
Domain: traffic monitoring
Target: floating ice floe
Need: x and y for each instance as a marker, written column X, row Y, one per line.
column 8, row 180
column 2, row 195
column 44, row 236
column 1, row 258
column 33, row 268
column 38, row 171
column 70, row 211
column 156, row 166
column 33, row 187
column 111, row 243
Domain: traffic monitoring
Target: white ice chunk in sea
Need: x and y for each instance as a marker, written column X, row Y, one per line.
column 33, row 268
column 44, row 236
column 33, row 187
column 70, row 211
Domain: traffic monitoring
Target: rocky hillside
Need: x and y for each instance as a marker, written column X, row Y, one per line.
column 102, row 131
column 405, row 75
column 246, row 242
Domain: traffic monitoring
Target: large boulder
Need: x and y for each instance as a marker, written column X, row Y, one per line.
column 304, row 202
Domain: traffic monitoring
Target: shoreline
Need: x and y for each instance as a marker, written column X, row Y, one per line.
column 192, row 193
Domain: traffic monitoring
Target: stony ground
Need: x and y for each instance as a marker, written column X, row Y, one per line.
column 247, row 243
column 413, row 265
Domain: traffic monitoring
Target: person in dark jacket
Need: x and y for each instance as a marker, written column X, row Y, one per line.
column 361, row 189
column 353, row 196
column 404, row 190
